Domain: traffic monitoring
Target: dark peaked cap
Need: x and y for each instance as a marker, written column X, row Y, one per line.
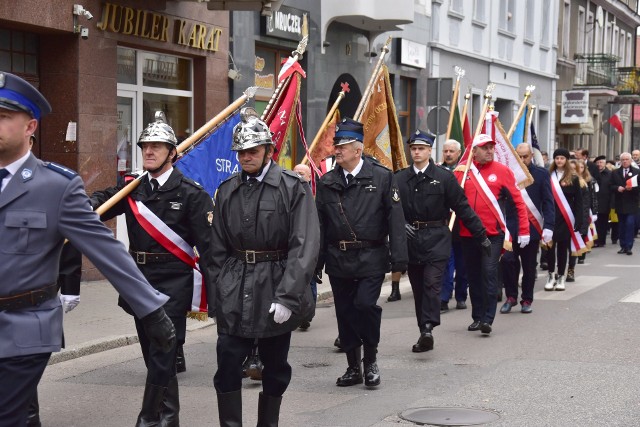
column 17, row 94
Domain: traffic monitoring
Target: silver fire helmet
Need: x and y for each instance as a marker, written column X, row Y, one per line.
column 158, row 131
column 250, row 132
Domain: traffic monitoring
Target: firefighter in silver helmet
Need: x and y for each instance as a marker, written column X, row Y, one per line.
column 264, row 252
column 167, row 215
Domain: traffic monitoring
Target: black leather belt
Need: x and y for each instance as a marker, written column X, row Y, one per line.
column 28, row 299
column 251, row 257
column 347, row 245
column 428, row 224
column 152, row 257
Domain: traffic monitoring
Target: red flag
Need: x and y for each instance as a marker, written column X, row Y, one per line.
column 616, row 122
column 467, row 137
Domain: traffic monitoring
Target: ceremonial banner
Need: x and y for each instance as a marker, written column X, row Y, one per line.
column 324, row 146
column 535, row 146
column 382, row 136
column 461, row 133
column 519, row 135
column 212, row 161
column 504, row 151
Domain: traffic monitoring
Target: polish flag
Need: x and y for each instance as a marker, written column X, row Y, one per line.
column 632, row 182
column 616, row 122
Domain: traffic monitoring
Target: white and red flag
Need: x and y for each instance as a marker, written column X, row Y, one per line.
column 616, row 122
column 632, row 182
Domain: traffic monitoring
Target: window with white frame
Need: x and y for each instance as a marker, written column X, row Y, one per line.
column 478, row 10
column 544, row 27
column 566, row 28
column 581, row 30
column 621, row 47
column 507, row 15
column 629, row 62
column 529, row 21
column 588, row 43
column 457, row 6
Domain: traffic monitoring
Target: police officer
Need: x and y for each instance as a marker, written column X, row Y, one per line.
column 264, row 252
column 41, row 204
column 359, row 208
column 428, row 192
column 167, row 215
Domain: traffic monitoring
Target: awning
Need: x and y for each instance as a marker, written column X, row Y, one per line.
column 576, row 128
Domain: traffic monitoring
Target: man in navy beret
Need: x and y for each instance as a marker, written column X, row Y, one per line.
column 41, row 205
column 428, row 192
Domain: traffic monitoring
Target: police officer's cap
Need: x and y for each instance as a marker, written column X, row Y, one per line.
column 348, row 131
column 17, row 94
column 421, row 138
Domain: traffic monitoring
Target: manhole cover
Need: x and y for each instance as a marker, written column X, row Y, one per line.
column 449, row 416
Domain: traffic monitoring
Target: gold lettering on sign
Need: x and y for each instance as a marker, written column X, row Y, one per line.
column 155, row 26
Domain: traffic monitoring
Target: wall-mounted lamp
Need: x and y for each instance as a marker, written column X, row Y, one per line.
column 78, row 10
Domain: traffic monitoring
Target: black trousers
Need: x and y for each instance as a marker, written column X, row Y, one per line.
column 357, row 310
column 511, row 263
column 232, row 350
column 161, row 367
column 426, row 280
column 20, row 376
column 562, row 248
column 602, row 227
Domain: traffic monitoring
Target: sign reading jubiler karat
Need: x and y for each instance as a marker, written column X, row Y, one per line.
column 156, row 26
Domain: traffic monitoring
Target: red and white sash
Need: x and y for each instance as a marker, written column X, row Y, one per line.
column 177, row 246
column 491, row 201
column 532, row 212
column 592, row 234
column 577, row 244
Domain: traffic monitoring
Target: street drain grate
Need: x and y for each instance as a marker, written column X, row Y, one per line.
column 449, row 416
column 315, row 365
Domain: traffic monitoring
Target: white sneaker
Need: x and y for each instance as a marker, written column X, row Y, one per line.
column 550, row 282
column 560, row 283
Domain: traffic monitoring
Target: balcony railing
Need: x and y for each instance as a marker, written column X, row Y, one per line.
column 628, row 81
column 597, row 69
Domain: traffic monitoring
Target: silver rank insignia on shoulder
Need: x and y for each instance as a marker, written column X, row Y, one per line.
column 395, row 197
column 176, row 205
column 26, row 174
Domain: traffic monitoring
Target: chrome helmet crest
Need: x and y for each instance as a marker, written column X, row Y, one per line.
column 250, row 132
column 158, row 131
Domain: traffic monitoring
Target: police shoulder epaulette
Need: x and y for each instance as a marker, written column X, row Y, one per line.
column 380, row 165
column 292, row 174
column 192, row 182
column 62, row 170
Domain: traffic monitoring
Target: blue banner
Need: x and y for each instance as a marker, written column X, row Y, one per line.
column 518, row 135
column 212, row 161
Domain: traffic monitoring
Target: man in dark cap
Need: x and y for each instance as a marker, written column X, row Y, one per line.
column 41, row 205
column 428, row 192
column 362, row 238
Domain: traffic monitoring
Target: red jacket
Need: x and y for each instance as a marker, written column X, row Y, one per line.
column 499, row 179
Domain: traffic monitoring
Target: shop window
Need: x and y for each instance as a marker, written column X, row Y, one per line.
column 19, row 52
column 266, row 69
column 404, row 105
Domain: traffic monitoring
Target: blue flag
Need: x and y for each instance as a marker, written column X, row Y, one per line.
column 212, row 161
column 518, row 135
column 535, row 147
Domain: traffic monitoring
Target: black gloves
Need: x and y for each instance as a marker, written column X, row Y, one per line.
column 399, row 267
column 486, row 246
column 411, row 231
column 160, row 330
column 317, row 275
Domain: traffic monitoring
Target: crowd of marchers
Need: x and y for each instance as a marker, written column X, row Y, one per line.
column 264, row 241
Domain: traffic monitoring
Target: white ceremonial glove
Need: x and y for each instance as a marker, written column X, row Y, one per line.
column 524, row 240
column 281, row 314
column 547, row 235
column 69, row 302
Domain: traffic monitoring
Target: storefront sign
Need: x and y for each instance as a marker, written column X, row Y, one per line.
column 156, row 26
column 285, row 23
column 413, row 54
column 575, row 106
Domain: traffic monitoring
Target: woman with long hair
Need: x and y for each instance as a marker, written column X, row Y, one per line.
column 565, row 186
column 588, row 191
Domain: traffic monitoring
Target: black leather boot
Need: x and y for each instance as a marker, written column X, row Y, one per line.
column 371, row 372
column 395, row 292
column 151, row 402
column 33, row 414
column 425, row 341
column 181, row 363
column 169, row 414
column 268, row 410
column 353, row 375
column 230, row 409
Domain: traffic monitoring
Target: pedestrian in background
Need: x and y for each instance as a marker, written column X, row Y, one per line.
column 626, row 204
column 588, row 195
column 604, row 197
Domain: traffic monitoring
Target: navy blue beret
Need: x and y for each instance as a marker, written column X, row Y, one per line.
column 421, row 138
column 347, row 131
column 17, row 94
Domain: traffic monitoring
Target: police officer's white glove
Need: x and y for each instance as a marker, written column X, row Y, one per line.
column 69, row 302
column 547, row 235
column 282, row 313
column 524, row 240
